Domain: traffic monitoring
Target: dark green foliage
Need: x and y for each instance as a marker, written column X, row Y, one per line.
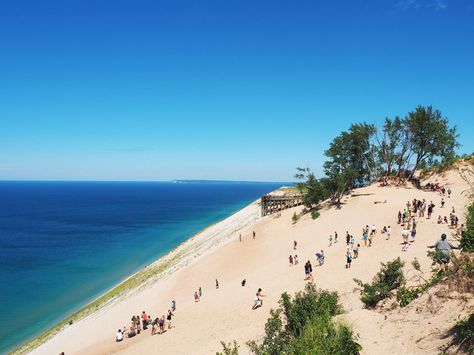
column 464, row 334
column 467, row 237
column 431, row 136
column 295, row 218
column 315, row 214
column 303, row 325
column 229, row 349
column 310, row 187
column 387, row 279
column 352, row 160
column 405, row 295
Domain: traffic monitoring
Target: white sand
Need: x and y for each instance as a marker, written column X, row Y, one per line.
column 225, row 314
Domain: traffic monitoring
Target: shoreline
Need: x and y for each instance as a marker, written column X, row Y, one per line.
column 199, row 244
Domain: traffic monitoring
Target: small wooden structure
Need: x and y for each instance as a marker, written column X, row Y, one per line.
column 271, row 204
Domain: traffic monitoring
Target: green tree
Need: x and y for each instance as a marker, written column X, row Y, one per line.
column 431, row 136
column 389, row 145
column 311, row 188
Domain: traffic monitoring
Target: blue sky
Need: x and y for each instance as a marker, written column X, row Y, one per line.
column 241, row 90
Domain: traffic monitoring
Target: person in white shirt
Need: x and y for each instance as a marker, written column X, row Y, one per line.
column 119, row 335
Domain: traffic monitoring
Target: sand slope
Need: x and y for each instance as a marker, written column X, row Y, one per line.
column 225, row 314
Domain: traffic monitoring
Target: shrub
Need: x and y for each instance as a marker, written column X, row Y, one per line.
column 467, row 237
column 229, row 349
column 387, row 279
column 295, row 218
column 314, row 214
column 464, row 334
column 303, row 325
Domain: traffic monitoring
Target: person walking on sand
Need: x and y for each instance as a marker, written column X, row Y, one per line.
column 173, row 305
column 365, row 236
column 320, row 257
column 430, row 209
column 290, row 259
column 200, row 292
column 330, row 239
column 168, row 318
column 348, row 258
column 258, row 302
column 355, row 250
column 196, row 297
column 371, row 237
column 253, row 234
column 413, row 234
column 449, row 192
column 144, row 320
column 295, row 259
column 443, row 251
column 240, row 237
column 154, row 325
column 348, row 238
column 335, row 237
column 442, row 202
column 295, row 243
column 405, row 235
column 217, row 284
column 389, row 232
column 161, row 323
column 374, row 230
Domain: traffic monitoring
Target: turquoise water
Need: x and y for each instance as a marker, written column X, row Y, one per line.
column 64, row 243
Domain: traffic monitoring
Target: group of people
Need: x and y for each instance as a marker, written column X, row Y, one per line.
column 438, row 188
column 140, row 323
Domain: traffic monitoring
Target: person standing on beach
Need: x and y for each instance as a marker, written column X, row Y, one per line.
column 168, row 317
column 389, row 232
column 405, row 235
column 173, row 305
column 253, row 233
column 217, row 284
column 200, row 292
column 348, row 238
column 295, row 243
column 161, row 323
column 290, row 258
column 240, row 237
column 196, row 297
column 335, row 237
column 295, row 259
column 144, row 320
column 430, row 209
column 449, row 192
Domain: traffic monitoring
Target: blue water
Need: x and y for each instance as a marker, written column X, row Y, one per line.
column 64, row 243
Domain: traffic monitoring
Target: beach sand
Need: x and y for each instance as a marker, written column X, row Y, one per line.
column 225, row 314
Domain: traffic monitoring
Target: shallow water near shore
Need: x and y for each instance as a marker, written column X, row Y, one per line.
column 64, row 243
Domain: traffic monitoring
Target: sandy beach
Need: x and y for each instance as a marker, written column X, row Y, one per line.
column 225, row 314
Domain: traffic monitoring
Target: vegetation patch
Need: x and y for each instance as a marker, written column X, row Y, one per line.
column 387, row 279
column 303, row 324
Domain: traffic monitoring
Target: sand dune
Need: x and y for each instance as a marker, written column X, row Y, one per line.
column 225, row 313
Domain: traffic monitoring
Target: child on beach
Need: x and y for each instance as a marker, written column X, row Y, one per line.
column 161, row 323
column 320, row 257
column 348, row 258
column 413, row 234
column 356, row 251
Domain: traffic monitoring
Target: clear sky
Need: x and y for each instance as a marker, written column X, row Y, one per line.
column 241, row 90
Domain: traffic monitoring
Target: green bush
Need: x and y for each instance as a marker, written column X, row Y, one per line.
column 229, row 349
column 303, row 325
column 406, row 295
column 295, row 218
column 387, row 279
column 464, row 334
column 467, row 237
column 314, row 214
